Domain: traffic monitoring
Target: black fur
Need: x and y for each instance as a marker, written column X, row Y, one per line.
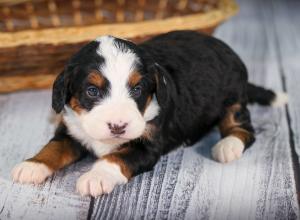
column 194, row 77
column 203, row 77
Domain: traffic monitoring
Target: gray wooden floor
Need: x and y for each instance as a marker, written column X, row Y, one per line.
column 186, row 183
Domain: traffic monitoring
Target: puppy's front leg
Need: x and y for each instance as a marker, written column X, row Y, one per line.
column 61, row 151
column 116, row 168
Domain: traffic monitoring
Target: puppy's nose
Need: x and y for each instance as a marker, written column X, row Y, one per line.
column 117, row 128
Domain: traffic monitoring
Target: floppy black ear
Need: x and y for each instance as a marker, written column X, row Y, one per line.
column 59, row 93
column 164, row 86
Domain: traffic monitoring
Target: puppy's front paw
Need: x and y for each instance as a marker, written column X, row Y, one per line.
column 30, row 172
column 101, row 179
column 228, row 149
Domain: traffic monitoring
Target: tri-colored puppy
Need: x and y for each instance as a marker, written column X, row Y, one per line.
column 129, row 104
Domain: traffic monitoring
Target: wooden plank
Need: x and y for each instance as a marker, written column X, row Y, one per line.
column 24, row 128
column 188, row 184
column 286, row 23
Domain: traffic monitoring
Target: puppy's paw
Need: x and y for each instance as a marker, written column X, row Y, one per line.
column 101, row 179
column 30, row 172
column 228, row 149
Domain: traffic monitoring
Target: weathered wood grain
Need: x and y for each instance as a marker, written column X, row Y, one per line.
column 24, row 128
column 286, row 23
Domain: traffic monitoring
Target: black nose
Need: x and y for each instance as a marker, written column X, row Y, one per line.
column 117, row 128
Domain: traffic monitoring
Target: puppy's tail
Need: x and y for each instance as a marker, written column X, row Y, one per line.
column 262, row 96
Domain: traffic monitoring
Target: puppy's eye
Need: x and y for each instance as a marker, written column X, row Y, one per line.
column 92, row 91
column 136, row 91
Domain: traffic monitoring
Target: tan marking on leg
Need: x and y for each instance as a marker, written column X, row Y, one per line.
column 57, row 154
column 240, row 133
column 54, row 156
column 229, row 121
column 230, row 126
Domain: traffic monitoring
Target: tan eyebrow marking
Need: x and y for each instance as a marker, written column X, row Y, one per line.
column 96, row 78
column 134, row 78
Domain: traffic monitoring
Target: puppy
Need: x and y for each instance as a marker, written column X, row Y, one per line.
column 129, row 104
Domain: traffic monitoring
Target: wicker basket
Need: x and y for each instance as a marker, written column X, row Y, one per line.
column 38, row 36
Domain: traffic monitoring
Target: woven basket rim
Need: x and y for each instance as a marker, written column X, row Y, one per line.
column 13, row 2
column 62, row 35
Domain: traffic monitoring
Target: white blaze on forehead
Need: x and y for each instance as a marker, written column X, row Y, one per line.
column 117, row 67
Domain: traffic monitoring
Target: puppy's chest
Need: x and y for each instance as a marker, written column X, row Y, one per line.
column 100, row 149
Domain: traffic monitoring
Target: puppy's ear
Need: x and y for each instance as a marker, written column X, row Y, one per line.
column 59, row 93
column 163, row 86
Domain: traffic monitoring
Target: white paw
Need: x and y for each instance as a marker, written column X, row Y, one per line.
column 101, row 179
column 228, row 149
column 30, row 172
